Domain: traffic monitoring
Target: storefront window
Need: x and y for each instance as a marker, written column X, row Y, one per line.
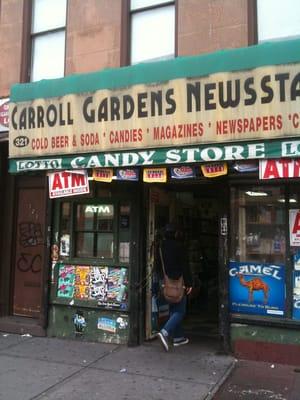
column 259, row 225
column 94, row 231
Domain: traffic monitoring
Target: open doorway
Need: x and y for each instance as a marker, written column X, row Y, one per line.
column 195, row 209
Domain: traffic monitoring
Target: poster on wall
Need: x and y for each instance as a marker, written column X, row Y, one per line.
column 257, row 288
column 296, row 295
column 66, row 281
column 294, row 223
column 108, row 286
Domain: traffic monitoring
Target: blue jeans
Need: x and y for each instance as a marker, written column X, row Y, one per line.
column 173, row 326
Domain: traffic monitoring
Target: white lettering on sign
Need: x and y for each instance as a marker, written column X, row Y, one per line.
column 276, row 169
column 103, row 209
column 248, row 269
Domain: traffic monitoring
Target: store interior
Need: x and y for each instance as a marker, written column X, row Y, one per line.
column 195, row 211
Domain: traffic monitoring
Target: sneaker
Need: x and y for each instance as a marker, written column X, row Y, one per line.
column 181, row 341
column 164, row 340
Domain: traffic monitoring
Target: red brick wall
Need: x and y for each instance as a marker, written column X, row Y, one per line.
column 93, row 35
column 209, row 25
column 11, row 27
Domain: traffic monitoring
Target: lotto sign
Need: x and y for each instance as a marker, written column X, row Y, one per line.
column 294, row 220
column 68, row 183
column 158, row 175
column 214, row 169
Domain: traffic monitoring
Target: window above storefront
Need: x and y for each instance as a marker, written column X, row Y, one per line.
column 152, row 30
column 48, row 39
column 277, row 19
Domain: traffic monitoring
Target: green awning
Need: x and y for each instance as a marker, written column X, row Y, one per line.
column 272, row 53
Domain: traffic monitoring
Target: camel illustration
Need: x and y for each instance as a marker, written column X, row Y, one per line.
column 252, row 285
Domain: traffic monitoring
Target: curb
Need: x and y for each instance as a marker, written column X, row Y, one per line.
column 218, row 385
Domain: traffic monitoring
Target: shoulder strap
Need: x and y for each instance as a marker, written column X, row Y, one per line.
column 162, row 261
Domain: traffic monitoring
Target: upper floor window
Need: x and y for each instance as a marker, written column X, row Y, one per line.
column 48, row 39
column 278, row 19
column 152, row 30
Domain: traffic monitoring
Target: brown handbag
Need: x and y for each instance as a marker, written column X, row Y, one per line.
column 172, row 289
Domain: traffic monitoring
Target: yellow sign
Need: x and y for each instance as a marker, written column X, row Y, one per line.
column 158, row 175
column 214, row 169
column 262, row 103
column 103, row 174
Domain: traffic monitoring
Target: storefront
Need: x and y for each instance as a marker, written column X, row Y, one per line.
column 186, row 140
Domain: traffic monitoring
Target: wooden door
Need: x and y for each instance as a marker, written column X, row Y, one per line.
column 30, row 243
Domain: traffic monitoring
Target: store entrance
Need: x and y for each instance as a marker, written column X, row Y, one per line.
column 195, row 209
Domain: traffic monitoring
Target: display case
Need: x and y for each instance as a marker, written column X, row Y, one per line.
column 259, row 226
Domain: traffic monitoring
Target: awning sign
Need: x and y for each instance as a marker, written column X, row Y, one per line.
column 276, row 169
column 127, row 174
column 214, row 169
column 103, row 174
column 68, row 183
column 268, row 149
column 158, row 175
column 183, row 172
column 294, row 222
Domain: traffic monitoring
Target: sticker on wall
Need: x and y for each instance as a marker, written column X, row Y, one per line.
column 257, row 288
column 214, row 170
column 79, row 322
column 296, row 295
column 107, row 324
column 68, row 183
column 99, row 283
column 66, row 281
column 54, row 252
column 64, row 245
column 127, row 174
column 4, row 115
column 82, row 282
column 158, row 175
column 103, row 174
column 296, row 258
column 183, row 172
column 294, row 224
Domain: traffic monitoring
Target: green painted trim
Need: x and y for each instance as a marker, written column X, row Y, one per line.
column 272, row 53
column 264, row 334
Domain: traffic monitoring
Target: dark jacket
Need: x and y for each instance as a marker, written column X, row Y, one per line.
column 175, row 260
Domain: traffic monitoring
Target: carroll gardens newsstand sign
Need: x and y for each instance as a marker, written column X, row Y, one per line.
column 185, row 110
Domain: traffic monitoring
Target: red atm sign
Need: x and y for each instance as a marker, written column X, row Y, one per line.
column 68, row 183
column 282, row 168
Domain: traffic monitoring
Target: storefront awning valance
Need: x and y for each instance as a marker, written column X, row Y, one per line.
column 167, row 156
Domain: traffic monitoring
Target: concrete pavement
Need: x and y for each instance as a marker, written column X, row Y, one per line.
column 57, row 369
column 256, row 380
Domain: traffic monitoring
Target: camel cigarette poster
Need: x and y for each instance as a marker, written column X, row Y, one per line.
column 257, row 288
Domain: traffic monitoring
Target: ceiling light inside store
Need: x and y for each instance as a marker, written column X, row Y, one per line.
column 291, row 200
column 256, row 194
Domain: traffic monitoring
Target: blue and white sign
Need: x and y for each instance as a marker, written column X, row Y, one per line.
column 296, row 295
column 257, row 288
column 183, row 172
column 127, row 174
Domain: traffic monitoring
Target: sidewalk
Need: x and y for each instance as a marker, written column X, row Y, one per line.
column 253, row 380
column 56, row 369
